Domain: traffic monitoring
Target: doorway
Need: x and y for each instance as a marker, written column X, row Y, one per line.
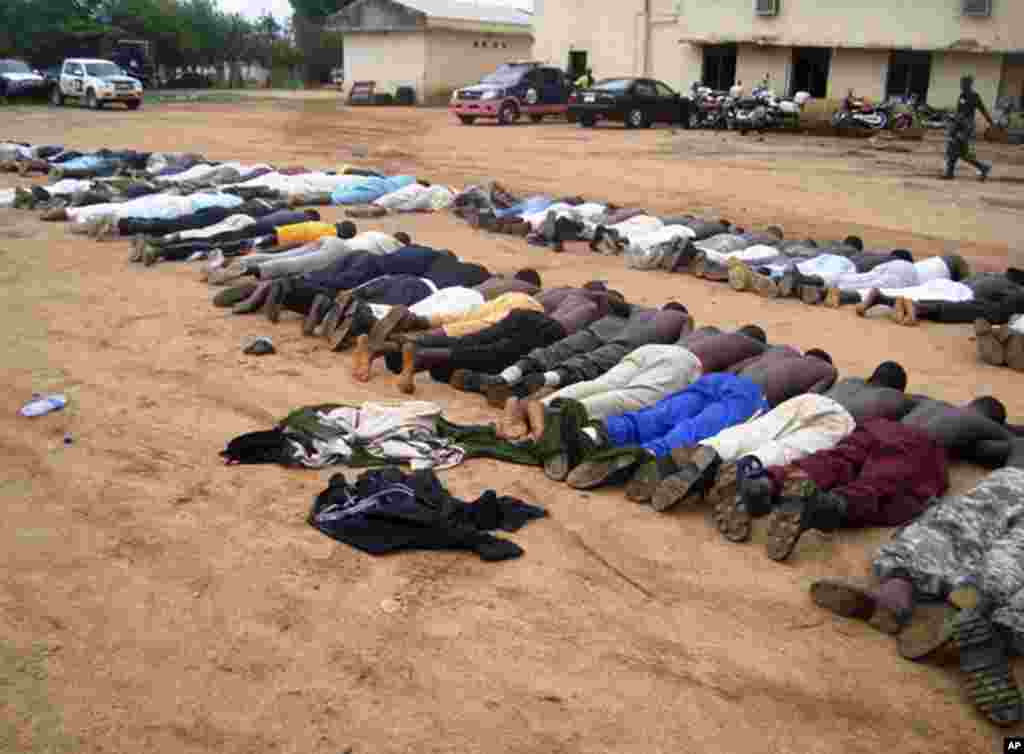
column 719, row 71
column 910, row 72
column 577, row 64
column 811, row 66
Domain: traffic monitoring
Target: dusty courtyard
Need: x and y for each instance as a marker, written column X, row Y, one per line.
column 152, row 599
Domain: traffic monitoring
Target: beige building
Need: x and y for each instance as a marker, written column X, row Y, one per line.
column 876, row 47
column 434, row 46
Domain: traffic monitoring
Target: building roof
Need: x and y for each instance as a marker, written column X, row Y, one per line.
column 478, row 14
column 464, row 10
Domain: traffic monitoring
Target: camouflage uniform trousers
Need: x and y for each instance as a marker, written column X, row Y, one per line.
column 960, row 146
column 979, row 534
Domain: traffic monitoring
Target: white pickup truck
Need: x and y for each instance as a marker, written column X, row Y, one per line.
column 96, row 82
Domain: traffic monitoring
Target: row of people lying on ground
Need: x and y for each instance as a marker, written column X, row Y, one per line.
column 302, row 243
column 940, row 289
column 937, row 288
column 835, row 273
column 165, row 186
column 722, row 419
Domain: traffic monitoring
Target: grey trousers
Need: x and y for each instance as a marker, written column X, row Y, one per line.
column 316, row 256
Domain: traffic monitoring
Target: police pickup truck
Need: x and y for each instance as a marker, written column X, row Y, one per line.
column 96, row 83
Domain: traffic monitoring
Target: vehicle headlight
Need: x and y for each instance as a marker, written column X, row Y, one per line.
column 490, row 94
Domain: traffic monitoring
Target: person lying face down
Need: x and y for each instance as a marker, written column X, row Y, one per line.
column 402, row 305
column 994, row 297
column 882, row 474
column 584, row 355
column 563, row 311
column 961, row 553
column 642, row 442
column 354, row 270
column 643, row 377
column 278, row 228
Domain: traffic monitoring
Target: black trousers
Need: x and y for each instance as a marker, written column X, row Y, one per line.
column 998, row 312
column 493, row 348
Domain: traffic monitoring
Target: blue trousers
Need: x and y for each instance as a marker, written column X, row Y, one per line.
column 702, row 410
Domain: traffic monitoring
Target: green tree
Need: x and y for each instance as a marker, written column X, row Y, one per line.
column 310, row 18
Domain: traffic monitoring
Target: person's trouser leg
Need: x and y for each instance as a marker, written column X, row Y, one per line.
column 792, row 430
column 949, row 541
column 591, row 365
column 657, row 372
column 500, row 346
column 897, row 482
column 654, row 423
column 702, row 410
column 591, row 392
column 300, row 261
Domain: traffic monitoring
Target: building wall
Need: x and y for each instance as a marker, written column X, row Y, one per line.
column 390, row 58
column 1012, row 84
column 611, row 33
column 453, row 61
column 754, row 61
column 666, row 60
column 948, row 67
column 691, row 63
column 864, row 71
column 878, row 24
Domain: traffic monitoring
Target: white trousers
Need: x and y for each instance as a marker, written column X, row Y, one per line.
column 641, row 379
column 792, row 430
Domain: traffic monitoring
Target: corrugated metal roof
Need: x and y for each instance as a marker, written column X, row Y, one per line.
column 463, row 10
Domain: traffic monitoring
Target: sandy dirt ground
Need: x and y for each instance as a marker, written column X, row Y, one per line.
column 152, row 599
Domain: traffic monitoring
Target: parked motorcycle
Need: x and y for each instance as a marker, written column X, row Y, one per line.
column 857, row 112
column 709, row 108
column 763, row 111
column 926, row 115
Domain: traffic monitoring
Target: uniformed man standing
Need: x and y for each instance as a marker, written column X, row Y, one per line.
column 586, row 80
column 960, row 132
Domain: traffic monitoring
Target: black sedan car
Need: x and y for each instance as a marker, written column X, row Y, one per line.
column 636, row 102
column 18, row 79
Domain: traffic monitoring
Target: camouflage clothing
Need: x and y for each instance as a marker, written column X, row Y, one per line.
column 978, row 534
column 961, row 134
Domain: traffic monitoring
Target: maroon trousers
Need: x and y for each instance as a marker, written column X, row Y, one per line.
column 886, row 471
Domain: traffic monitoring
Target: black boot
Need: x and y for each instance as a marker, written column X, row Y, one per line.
column 823, row 511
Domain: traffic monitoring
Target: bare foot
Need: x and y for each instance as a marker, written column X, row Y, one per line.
column 535, row 415
column 406, row 380
column 514, row 423
column 361, row 359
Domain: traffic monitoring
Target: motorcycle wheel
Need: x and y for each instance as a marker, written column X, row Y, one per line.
column 884, row 122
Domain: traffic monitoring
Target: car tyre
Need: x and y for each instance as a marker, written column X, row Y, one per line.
column 467, row 120
column 56, row 98
column 508, row 114
column 636, row 118
column 587, row 121
column 91, row 100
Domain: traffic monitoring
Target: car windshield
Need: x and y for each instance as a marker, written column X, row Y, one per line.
column 13, row 66
column 613, row 85
column 103, row 69
column 505, row 75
